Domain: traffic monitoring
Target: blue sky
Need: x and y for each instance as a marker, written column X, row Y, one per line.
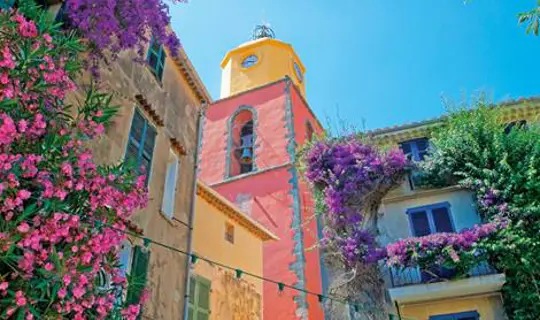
column 377, row 63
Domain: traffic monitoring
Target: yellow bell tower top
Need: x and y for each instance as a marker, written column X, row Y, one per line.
column 260, row 61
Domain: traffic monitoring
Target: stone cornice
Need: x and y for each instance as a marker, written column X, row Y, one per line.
column 229, row 210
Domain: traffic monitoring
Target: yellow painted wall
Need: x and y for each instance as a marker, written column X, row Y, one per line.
column 275, row 61
column 230, row 298
column 489, row 308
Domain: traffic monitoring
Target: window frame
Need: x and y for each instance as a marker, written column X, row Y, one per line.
column 520, row 124
column 161, row 58
column 230, row 156
column 455, row 316
column 194, row 306
column 172, row 196
column 415, row 151
column 229, row 232
column 428, row 209
column 140, row 146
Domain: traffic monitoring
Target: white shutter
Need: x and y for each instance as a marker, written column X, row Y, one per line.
column 170, row 187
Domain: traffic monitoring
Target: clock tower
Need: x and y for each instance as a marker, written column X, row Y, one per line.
column 248, row 155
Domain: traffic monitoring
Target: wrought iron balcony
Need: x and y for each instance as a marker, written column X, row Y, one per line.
column 412, row 276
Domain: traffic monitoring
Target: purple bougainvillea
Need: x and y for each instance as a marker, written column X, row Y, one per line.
column 351, row 173
column 112, row 26
column 352, row 177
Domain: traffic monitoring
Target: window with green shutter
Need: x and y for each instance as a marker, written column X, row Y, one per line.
column 140, row 148
column 156, row 59
column 138, row 276
column 199, row 299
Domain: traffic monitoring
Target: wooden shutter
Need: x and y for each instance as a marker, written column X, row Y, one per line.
column 203, row 299
column 138, row 276
column 406, row 148
column 420, row 223
column 191, row 300
column 441, row 220
column 169, row 191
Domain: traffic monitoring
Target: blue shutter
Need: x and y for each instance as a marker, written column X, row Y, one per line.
column 420, row 223
column 406, row 148
column 156, row 59
column 422, row 146
column 441, row 220
column 140, row 148
column 470, row 315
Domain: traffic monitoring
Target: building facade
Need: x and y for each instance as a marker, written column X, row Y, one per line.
column 157, row 128
column 248, row 155
column 408, row 211
column 224, row 234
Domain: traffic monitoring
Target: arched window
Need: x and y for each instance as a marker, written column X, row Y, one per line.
column 241, row 155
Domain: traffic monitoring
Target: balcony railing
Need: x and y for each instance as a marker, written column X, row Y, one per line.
column 412, row 276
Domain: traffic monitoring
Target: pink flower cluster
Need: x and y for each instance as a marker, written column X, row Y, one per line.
column 52, row 193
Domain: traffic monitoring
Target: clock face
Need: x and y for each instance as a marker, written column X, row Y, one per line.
column 250, row 61
column 298, row 72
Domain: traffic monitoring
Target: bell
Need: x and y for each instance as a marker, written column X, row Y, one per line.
column 246, row 157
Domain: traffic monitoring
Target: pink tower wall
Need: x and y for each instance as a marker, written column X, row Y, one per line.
column 277, row 197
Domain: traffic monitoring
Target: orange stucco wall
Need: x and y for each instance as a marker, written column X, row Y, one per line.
column 270, row 131
column 274, row 194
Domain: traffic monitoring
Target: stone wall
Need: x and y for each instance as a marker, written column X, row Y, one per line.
column 172, row 108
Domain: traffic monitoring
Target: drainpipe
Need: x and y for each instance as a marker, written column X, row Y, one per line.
column 192, row 210
column 398, row 310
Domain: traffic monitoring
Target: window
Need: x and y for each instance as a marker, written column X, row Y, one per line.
column 229, row 232
column 309, row 132
column 415, row 149
column 521, row 124
column 169, row 191
column 138, row 275
column 140, row 148
column 430, row 219
column 125, row 257
column 471, row 315
column 156, row 59
column 103, row 281
column 250, row 61
column 6, row 4
column 199, row 299
column 241, row 143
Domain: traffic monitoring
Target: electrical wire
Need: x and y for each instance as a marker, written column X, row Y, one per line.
column 239, row 272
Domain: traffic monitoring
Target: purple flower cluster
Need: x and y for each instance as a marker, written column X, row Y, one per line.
column 349, row 171
column 112, row 26
column 439, row 247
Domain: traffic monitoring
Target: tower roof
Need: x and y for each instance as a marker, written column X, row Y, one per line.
column 259, row 43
